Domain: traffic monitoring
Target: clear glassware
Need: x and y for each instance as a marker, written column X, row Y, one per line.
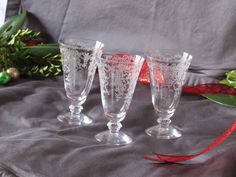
column 167, row 70
column 79, row 66
column 118, row 74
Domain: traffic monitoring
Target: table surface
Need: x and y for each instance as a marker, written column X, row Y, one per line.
column 33, row 143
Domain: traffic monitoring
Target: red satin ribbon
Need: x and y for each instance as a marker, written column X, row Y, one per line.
column 209, row 89
column 173, row 158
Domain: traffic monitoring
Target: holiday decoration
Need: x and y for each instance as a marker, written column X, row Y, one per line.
column 4, row 77
column 23, row 50
column 14, row 73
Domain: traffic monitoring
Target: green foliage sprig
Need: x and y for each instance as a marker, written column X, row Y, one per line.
column 230, row 79
column 22, row 49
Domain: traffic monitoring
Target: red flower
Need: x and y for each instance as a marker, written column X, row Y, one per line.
column 32, row 42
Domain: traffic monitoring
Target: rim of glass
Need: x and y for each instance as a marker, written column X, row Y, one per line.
column 166, row 55
column 77, row 42
column 118, row 52
column 111, row 53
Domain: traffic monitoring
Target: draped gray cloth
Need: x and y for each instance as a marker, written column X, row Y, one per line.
column 12, row 8
column 204, row 28
column 34, row 144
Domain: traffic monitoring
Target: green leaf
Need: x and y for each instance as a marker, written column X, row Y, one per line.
column 230, row 79
column 12, row 25
column 42, row 49
column 231, row 76
column 229, row 83
column 226, row 100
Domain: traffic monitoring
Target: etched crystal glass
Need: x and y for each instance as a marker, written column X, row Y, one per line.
column 79, row 66
column 167, row 70
column 118, row 74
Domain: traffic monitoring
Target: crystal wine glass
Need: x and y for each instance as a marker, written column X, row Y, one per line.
column 79, row 66
column 167, row 70
column 118, row 74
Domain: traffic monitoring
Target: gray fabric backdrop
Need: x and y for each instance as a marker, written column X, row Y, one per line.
column 205, row 28
column 34, row 144
column 12, row 8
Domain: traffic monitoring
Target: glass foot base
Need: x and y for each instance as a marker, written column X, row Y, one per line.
column 82, row 121
column 116, row 139
column 171, row 133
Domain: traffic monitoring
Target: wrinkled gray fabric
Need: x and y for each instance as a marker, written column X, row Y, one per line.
column 205, row 28
column 34, row 144
column 5, row 172
column 12, row 8
column 47, row 16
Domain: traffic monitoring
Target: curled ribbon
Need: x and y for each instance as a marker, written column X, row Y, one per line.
column 173, row 158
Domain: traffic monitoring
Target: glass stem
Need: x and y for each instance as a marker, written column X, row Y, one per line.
column 114, row 127
column 75, row 109
column 164, row 123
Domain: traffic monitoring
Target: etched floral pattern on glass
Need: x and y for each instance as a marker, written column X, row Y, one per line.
column 79, row 66
column 168, row 69
column 118, row 74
